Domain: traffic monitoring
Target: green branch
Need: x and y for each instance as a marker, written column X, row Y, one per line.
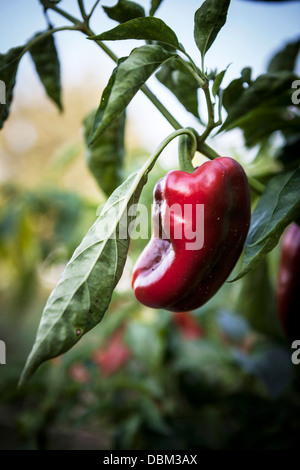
column 202, row 146
column 44, row 35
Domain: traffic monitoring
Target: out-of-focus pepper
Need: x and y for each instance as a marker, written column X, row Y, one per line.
column 200, row 223
column 288, row 283
column 188, row 326
column 113, row 356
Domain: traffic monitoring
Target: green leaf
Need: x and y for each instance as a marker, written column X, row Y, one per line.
column 289, row 154
column 278, row 206
column 148, row 28
column 9, row 63
column 185, row 87
column 46, row 61
column 263, row 121
column 124, row 10
column 82, row 296
column 127, row 78
column 286, row 58
column 269, row 90
column 106, row 155
column 45, row 2
column 154, row 6
column 246, row 74
column 256, row 300
column 209, row 19
column 217, row 82
column 233, row 93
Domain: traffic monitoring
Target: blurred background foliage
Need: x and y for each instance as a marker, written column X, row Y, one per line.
column 217, row 378
column 220, row 377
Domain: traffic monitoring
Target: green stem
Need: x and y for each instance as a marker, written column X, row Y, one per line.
column 192, row 71
column 202, row 64
column 82, row 9
column 147, row 92
column 44, row 35
column 220, row 104
column 167, row 115
column 206, row 150
column 201, row 145
column 194, row 66
column 185, row 154
column 63, row 13
column 256, row 185
column 93, row 9
column 86, row 30
column 152, row 159
column 106, row 49
column 211, row 115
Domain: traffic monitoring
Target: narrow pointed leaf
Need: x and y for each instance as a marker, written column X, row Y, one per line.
column 105, row 157
column 184, row 86
column 259, row 309
column 9, row 63
column 82, row 296
column 269, row 90
column 217, row 82
column 154, row 6
column 270, row 217
column 46, row 61
column 286, row 58
column 147, row 28
column 127, row 78
column 124, row 10
column 209, row 19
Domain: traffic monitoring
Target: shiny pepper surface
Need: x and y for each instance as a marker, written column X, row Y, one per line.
column 175, row 271
column 288, row 284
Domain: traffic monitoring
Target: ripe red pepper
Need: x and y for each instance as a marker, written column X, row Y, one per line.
column 171, row 275
column 113, row 356
column 188, row 325
column 288, row 283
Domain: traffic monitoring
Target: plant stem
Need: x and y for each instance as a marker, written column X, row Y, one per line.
column 103, row 46
column 63, row 13
column 256, row 185
column 211, row 116
column 82, row 9
column 206, row 150
column 150, row 162
column 44, row 35
column 147, row 92
column 194, row 66
column 192, row 71
column 93, row 9
column 202, row 147
column 185, row 154
column 86, row 30
column 168, row 116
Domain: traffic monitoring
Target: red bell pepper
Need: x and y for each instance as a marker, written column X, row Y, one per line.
column 288, row 283
column 200, row 224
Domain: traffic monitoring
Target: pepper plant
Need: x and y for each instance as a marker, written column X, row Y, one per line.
column 259, row 106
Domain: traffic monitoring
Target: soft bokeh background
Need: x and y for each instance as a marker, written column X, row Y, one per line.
column 143, row 378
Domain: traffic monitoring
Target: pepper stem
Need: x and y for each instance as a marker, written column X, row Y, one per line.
column 180, row 132
column 186, row 151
